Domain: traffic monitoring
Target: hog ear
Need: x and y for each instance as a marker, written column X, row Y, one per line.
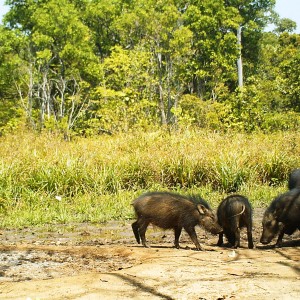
column 201, row 209
column 279, row 213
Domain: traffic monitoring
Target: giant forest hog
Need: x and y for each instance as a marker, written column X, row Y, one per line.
column 172, row 211
column 234, row 213
column 294, row 179
column 281, row 217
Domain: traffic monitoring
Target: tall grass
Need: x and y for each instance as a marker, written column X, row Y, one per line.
column 46, row 180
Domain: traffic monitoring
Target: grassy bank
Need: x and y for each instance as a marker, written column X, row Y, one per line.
column 44, row 179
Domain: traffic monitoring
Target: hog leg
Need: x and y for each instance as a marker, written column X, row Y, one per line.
column 279, row 240
column 249, row 237
column 143, row 224
column 177, row 232
column 192, row 233
column 135, row 229
column 237, row 238
column 220, row 241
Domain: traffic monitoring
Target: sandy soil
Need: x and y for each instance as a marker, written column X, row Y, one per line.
column 84, row 261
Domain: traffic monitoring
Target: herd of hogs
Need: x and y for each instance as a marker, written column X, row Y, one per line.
column 173, row 211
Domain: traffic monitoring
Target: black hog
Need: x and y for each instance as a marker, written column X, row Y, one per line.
column 281, row 217
column 234, row 213
column 173, row 211
column 294, row 179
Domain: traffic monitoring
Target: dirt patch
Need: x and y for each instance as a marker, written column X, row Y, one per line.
column 84, row 261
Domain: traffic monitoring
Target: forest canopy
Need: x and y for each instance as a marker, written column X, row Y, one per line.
column 104, row 66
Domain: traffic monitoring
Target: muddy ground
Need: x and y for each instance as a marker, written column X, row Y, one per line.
column 85, row 261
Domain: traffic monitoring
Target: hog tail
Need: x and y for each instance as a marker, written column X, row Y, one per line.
column 240, row 213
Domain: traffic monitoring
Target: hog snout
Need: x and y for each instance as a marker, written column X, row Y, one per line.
column 217, row 230
column 265, row 241
column 266, row 238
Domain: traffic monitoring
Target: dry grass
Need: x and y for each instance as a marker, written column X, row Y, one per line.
column 44, row 179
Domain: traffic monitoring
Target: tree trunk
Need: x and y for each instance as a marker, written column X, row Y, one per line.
column 239, row 61
column 162, row 106
column 161, row 92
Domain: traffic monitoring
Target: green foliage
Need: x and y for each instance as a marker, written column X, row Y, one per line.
column 213, row 27
column 11, row 113
column 281, row 121
column 291, row 75
column 285, row 25
column 89, row 67
column 122, row 101
column 205, row 114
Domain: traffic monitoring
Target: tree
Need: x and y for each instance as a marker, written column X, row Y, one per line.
column 99, row 65
column 60, row 63
column 215, row 46
column 289, row 69
column 10, row 110
column 100, row 17
column 157, row 28
column 123, row 101
column 254, row 17
column 285, row 25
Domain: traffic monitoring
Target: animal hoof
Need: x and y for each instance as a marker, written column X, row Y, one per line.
column 199, row 249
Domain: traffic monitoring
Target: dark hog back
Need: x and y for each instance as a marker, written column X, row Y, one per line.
column 165, row 210
column 172, row 211
column 294, row 179
column 281, row 217
column 234, row 213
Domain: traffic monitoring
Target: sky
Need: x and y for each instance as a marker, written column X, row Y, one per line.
column 288, row 9
column 285, row 8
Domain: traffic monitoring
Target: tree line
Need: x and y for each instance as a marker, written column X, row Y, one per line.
column 105, row 66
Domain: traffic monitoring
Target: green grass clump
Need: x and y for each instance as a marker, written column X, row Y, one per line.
column 46, row 180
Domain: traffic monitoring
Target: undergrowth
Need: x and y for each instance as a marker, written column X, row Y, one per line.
column 44, row 179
